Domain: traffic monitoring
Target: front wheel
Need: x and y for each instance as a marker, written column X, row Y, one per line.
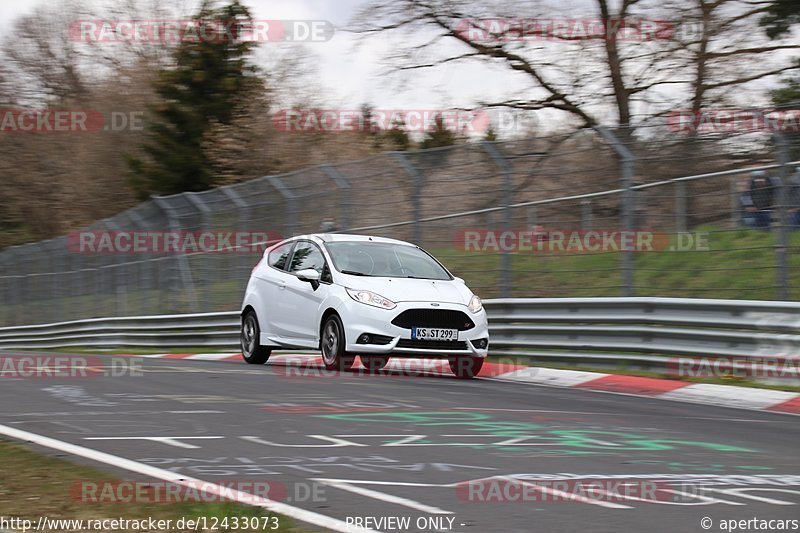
column 252, row 352
column 373, row 363
column 466, row 367
column 332, row 343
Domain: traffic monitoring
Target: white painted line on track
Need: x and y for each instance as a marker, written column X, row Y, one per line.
column 171, row 441
column 728, row 396
column 302, row 515
column 550, row 376
column 209, row 356
column 382, row 496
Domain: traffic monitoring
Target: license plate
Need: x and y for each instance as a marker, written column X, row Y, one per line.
column 434, row 334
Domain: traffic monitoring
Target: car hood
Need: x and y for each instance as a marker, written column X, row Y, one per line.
column 412, row 290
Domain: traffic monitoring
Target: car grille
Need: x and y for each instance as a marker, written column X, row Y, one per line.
column 432, row 345
column 433, row 318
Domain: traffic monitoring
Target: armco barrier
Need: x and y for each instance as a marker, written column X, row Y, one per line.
column 643, row 332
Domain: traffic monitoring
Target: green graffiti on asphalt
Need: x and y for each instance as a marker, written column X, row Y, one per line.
column 518, row 434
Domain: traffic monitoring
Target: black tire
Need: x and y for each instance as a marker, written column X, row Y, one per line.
column 373, row 363
column 332, row 343
column 252, row 352
column 466, row 367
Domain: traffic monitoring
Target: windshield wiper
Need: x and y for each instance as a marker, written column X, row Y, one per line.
column 353, row 273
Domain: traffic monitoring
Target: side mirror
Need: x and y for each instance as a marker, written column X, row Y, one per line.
column 309, row 275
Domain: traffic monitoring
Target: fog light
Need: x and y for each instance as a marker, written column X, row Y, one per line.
column 481, row 343
column 363, row 339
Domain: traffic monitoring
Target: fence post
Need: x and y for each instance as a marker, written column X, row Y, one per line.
column 508, row 199
column 186, row 285
column 206, row 259
column 416, row 194
column 143, row 266
column 782, row 245
column 13, row 283
column 735, row 203
column 531, row 216
column 291, row 204
column 345, row 194
column 242, row 261
column 586, row 215
column 627, row 170
column 680, row 206
column 118, row 284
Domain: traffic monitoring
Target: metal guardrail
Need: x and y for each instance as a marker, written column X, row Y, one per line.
column 642, row 332
column 157, row 331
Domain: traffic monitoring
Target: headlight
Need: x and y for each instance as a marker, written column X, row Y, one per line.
column 370, row 298
column 475, row 304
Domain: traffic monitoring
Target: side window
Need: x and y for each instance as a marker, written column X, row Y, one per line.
column 306, row 255
column 279, row 256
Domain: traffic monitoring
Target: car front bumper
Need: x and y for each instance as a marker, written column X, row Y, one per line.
column 359, row 318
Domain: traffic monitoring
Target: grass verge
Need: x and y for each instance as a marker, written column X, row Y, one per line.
column 34, row 485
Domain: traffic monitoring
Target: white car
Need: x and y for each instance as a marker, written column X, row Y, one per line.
column 355, row 295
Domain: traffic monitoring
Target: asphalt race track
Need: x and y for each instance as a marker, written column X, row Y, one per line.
column 391, row 445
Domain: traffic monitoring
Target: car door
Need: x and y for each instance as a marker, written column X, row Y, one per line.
column 300, row 300
column 271, row 281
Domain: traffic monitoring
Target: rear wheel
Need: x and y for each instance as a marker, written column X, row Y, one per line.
column 374, row 363
column 252, row 351
column 466, row 367
column 333, row 343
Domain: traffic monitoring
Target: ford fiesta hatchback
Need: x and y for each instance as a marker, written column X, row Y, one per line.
column 355, row 295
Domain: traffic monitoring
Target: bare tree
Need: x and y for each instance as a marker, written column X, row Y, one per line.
column 643, row 59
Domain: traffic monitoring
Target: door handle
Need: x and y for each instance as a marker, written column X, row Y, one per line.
column 281, row 285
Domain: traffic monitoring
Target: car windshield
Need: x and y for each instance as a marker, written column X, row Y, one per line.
column 379, row 259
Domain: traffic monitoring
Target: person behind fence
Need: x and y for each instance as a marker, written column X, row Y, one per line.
column 758, row 200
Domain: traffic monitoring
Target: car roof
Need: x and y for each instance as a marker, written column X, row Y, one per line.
column 350, row 237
